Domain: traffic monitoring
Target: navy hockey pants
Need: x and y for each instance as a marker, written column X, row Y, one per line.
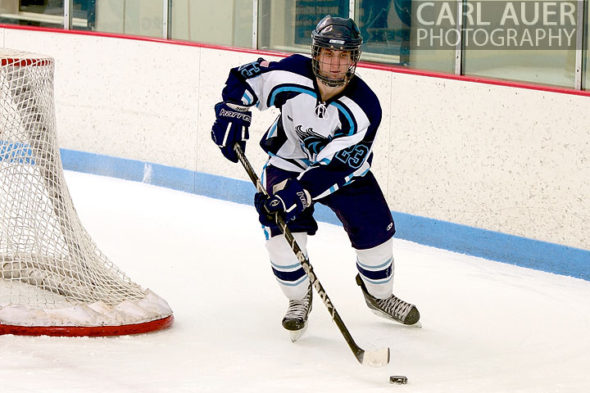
column 360, row 206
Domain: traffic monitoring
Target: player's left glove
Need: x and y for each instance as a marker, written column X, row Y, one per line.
column 290, row 201
column 231, row 127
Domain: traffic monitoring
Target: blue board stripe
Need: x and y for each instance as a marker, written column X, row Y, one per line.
column 520, row 251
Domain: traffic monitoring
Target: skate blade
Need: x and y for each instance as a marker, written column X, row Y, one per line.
column 294, row 335
column 417, row 325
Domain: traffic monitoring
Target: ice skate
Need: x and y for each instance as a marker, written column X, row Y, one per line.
column 391, row 308
column 295, row 320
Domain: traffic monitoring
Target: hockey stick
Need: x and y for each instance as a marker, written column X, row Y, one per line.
column 374, row 358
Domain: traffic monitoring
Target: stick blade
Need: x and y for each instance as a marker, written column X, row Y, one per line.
column 374, row 358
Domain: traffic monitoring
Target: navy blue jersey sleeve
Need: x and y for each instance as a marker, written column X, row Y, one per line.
column 252, row 83
column 236, row 89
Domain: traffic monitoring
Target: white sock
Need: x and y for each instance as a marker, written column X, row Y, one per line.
column 376, row 267
column 287, row 269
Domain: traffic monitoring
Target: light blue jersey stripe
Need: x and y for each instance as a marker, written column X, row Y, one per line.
column 290, row 88
column 272, row 129
column 347, row 115
column 247, row 98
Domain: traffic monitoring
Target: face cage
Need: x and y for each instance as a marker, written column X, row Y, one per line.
column 355, row 55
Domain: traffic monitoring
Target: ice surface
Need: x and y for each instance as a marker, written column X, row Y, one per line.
column 487, row 326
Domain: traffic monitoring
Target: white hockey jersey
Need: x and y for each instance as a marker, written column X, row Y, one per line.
column 328, row 143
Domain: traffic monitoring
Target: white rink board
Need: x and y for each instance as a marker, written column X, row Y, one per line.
column 505, row 159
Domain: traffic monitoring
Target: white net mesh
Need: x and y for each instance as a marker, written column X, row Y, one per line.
column 51, row 272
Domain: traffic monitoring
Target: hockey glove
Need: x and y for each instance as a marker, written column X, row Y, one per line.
column 231, row 127
column 289, row 201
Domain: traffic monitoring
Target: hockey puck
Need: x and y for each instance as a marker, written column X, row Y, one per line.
column 399, row 379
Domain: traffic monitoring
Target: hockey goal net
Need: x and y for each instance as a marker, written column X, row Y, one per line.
column 53, row 278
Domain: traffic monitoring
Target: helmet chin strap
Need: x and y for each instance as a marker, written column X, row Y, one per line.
column 332, row 82
column 336, row 82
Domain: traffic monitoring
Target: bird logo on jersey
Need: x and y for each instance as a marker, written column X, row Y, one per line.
column 311, row 141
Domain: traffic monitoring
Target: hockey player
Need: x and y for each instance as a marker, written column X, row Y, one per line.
column 320, row 151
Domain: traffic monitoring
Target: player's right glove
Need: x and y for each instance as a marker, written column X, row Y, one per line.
column 231, row 127
column 289, row 201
